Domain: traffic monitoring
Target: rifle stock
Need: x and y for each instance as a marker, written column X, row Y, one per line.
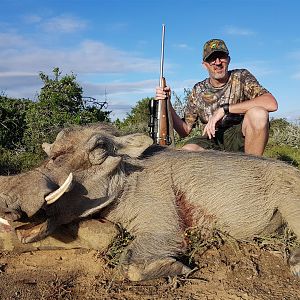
column 165, row 130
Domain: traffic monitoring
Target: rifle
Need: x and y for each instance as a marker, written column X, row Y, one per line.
column 160, row 123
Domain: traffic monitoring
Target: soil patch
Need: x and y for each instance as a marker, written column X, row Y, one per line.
column 240, row 271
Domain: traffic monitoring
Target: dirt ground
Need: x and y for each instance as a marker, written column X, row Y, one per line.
column 240, row 271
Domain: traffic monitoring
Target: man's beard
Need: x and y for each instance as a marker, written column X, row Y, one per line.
column 217, row 75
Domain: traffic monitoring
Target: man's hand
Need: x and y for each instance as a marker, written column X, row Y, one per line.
column 210, row 127
column 162, row 94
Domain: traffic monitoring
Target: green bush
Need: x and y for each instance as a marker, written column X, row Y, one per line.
column 138, row 118
column 285, row 153
column 284, row 141
column 283, row 133
column 12, row 121
column 60, row 103
column 14, row 162
column 25, row 125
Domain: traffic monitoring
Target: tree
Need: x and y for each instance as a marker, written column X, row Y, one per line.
column 60, row 103
column 61, row 93
column 12, row 121
column 25, row 124
column 138, row 118
column 284, row 133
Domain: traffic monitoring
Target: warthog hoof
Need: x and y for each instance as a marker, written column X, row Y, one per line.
column 294, row 262
column 154, row 269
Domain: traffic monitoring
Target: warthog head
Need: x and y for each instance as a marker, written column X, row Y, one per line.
column 87, row 152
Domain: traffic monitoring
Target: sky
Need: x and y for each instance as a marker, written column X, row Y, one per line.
column 113, row 46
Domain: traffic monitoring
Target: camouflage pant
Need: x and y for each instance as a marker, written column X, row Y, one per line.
column 229, row 139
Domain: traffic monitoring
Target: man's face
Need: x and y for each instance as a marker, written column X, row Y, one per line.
column 217, row 65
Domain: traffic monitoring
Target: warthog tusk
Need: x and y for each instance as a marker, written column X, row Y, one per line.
column 3, row 221
column 52, row 197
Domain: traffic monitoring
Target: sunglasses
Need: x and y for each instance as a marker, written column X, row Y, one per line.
column 212, row 59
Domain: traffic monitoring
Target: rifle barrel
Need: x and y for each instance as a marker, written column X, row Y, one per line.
column 162, row 55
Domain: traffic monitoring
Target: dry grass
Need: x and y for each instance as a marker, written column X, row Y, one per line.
column 112, row 255
column 60, row 289
column 283, row 242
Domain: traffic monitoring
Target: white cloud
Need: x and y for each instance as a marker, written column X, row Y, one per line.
column 22, row 60
column 89, row 57
column 20, row 85
column 233, row 30
column 63, row 24
column 98, row 57
column 121, row 96
column 291, row 116
column 57, row 24
column 11, row 74
column 141, row 87
column 119, row 110
column 11, row 40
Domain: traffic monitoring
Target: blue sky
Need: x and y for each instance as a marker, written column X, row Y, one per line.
column 114, row 45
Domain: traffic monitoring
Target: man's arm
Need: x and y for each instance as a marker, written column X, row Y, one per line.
column 181, row 127
column 267, row 101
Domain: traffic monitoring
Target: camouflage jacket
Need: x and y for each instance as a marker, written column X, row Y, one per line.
column 205, row 99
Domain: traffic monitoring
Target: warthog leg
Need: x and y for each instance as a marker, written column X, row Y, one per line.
column 144, row 261
column 294, row 262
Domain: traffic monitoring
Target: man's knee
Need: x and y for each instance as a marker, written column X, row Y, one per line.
column 256, row 118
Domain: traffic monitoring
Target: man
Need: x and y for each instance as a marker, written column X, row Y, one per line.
column 232, row 104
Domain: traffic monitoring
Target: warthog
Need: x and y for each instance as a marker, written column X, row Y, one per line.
column 157, row 198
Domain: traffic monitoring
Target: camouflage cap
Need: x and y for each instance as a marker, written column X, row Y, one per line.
column 212, row 46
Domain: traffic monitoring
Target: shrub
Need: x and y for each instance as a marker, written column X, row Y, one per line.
column 12, row 121
column 25, row 124
column 138, row 118
column 14, row 162
column 284, row 142
column 60, row 103
column 283, row 133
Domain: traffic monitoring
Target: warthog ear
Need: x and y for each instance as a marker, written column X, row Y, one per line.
column 47, row 148
column 133, row 144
